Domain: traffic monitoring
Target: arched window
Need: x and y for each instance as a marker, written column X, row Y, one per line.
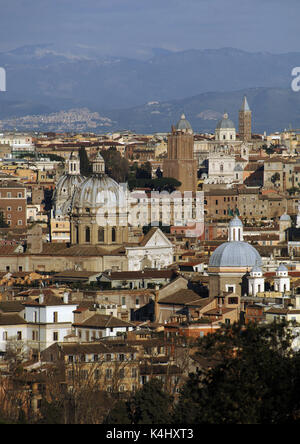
column 77, row 234
column 87, row 234
column 101, row 234
column 221, row 168
column 113, row 235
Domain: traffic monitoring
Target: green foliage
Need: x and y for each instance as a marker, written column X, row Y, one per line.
column 149, row 405
column 254, row 380
column 275, row 178
column 85, row 165
column 163, row 228
column 168, row 184
column 144, row 172
column 116, row 166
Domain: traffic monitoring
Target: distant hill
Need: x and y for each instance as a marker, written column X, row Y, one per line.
column 202, row 83
column 41, row 75
column 273, row 109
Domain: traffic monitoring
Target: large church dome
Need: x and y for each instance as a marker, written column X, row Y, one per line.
column 66, row 186
column 98, row 191
column 225, row 123
column 235, row 253
column 184, row 125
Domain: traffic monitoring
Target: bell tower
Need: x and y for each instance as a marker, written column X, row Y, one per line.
column 180, row 163
column 245, row 121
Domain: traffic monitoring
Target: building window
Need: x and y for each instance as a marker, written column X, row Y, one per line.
column 113, row 235
column 108, row 373
column 101, row 235
column 55, row 336
column 19, row 336
column 55, row 316
column 87, row 234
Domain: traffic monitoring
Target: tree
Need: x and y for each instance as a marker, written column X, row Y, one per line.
column 275, row 178
column 149, row 405
column 254, row 379
column 85, row 165
column 116, row 166
column 144, row 172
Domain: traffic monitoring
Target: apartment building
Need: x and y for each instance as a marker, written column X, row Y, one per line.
column 13, row 204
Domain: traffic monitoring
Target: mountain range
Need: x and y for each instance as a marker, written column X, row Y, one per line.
column 149, row 95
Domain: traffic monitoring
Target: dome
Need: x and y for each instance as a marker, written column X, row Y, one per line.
column 282, row 267
column 64, row 191
column 183, row 124
column 235, row 254
column 67, row 183
column 285, row 217
column 99, row 191
column 225, row 123
column 238, row 168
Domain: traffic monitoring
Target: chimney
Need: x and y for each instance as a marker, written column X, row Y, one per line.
column 41, row 298
column 66, row 298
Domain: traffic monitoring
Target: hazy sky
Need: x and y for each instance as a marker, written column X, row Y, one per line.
column 133, row 27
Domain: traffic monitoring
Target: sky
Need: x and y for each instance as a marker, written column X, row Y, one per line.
column 130, row 28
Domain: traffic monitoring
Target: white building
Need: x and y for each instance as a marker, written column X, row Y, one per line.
column 225, row 130
column 103, row 323
column 49, row 319
column 256, row 281
column 155, row 251
column 282, row 280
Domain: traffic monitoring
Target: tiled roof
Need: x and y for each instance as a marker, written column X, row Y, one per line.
column 184, row 297
column 103, row 321
column 11, row 307
column 11, row 319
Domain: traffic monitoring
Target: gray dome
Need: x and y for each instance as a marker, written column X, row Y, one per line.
column 183, row 124
column 282, row 267
column 235, row 254
column 285, row 217
column 99, row 191
column 238, row 168
column 64, row 191
column 67, row 183
column 225, row 123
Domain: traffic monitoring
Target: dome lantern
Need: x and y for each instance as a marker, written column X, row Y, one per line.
column 99, row 164
column 235, row 230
